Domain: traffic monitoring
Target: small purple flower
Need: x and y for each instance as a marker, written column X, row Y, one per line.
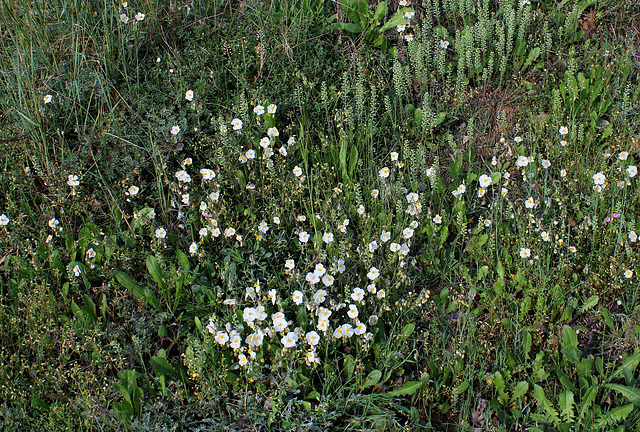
column 615, row 215
column 206, row 215
column 469, row 231
column 533, row 185
column 607, row 219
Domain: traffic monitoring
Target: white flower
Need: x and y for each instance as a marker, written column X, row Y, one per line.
column 283, row 151
column 341, row 266
column 183, row 177
column 546, row 163
column 193, row 248
column 485, row 180
column 360, row 210
column 394, row 247
column 373, row 273
column 77, row 271
column 73, row 180
column 203, row 232
column 525, row 252
column 599, row 178
column 563, row 130
column 273, row 132
column 327, row 280
column 353, row 311
column 327, row 237
column 161, row 233
column 4, row 220
column 404, row 249
column 375, row 193
column 407, row 233
column 529, row 203
column 523, row 161
column 628, row 274
column 229, row 231
column 263, row 227
column 384, row 172
column 207, row 174
column 271, row 109
column 385, row 236
column 545, row 236
column 133, row 190
column 623, row 155
column 412, row 197
column 319, row 270
column 242, row 360
column 312, row 338
column 373, row 246
column 297, row 171
column 320, row 296
column 140, row 16
column 460, row 190
column 272, row 295
column 400, row 28
column 236, row 124
column 358, row 294
column 487, row 222
column 290, row 264
column 633, row 236
column 48, row 98
column 265, row 142
column 185, row 199
column 518, row 139
column 303, row 237
column 189, row 95
column 291, row 141
column 258, row 109
column 394, row 156
column 175, row 130
column 381, row 294
column 632, row 170
column 297, row 297
column 444, row 44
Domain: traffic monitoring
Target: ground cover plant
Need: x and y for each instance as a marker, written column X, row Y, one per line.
column 309, row 215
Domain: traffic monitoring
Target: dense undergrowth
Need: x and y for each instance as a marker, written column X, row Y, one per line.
column 308, row 215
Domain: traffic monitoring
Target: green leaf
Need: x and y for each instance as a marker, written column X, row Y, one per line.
column 408, row 388
column 498, row 381
column 408, row 329
column 126, row 281
column 526, row 344
column 590, row 303
column 395, row 20
column 545, row 404
column 614, row 416
column 606, row 315
column 629, row 365
column 350, row 27
column 380, row 13
column 632, row 394
column 439, row 118
column 587, row 400
column 163, row 367
column 566, row 406
column 349, row 365
column 520, row 390
column 462, row 387
column 372, row 379
column 155, row 271
column 183, row 260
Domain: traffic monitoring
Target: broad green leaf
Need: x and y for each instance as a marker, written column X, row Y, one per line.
column 526, row 344
column 155, row 271
column 498, row 381
column 408, row 329
column 545, row 404
column 395, row 20
column 408, row 388
column 380, row 13
column 614, row 416
column 462, row 387
column 163, row 367
column 587, row 400
column 372, row 379
column 349, row 365
column 126, row 281
column 566, row 406
column 632, row 394
column 520, row 390
column 439, row 118
column 183, row 260
column 39, row 404
column 590, row 303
